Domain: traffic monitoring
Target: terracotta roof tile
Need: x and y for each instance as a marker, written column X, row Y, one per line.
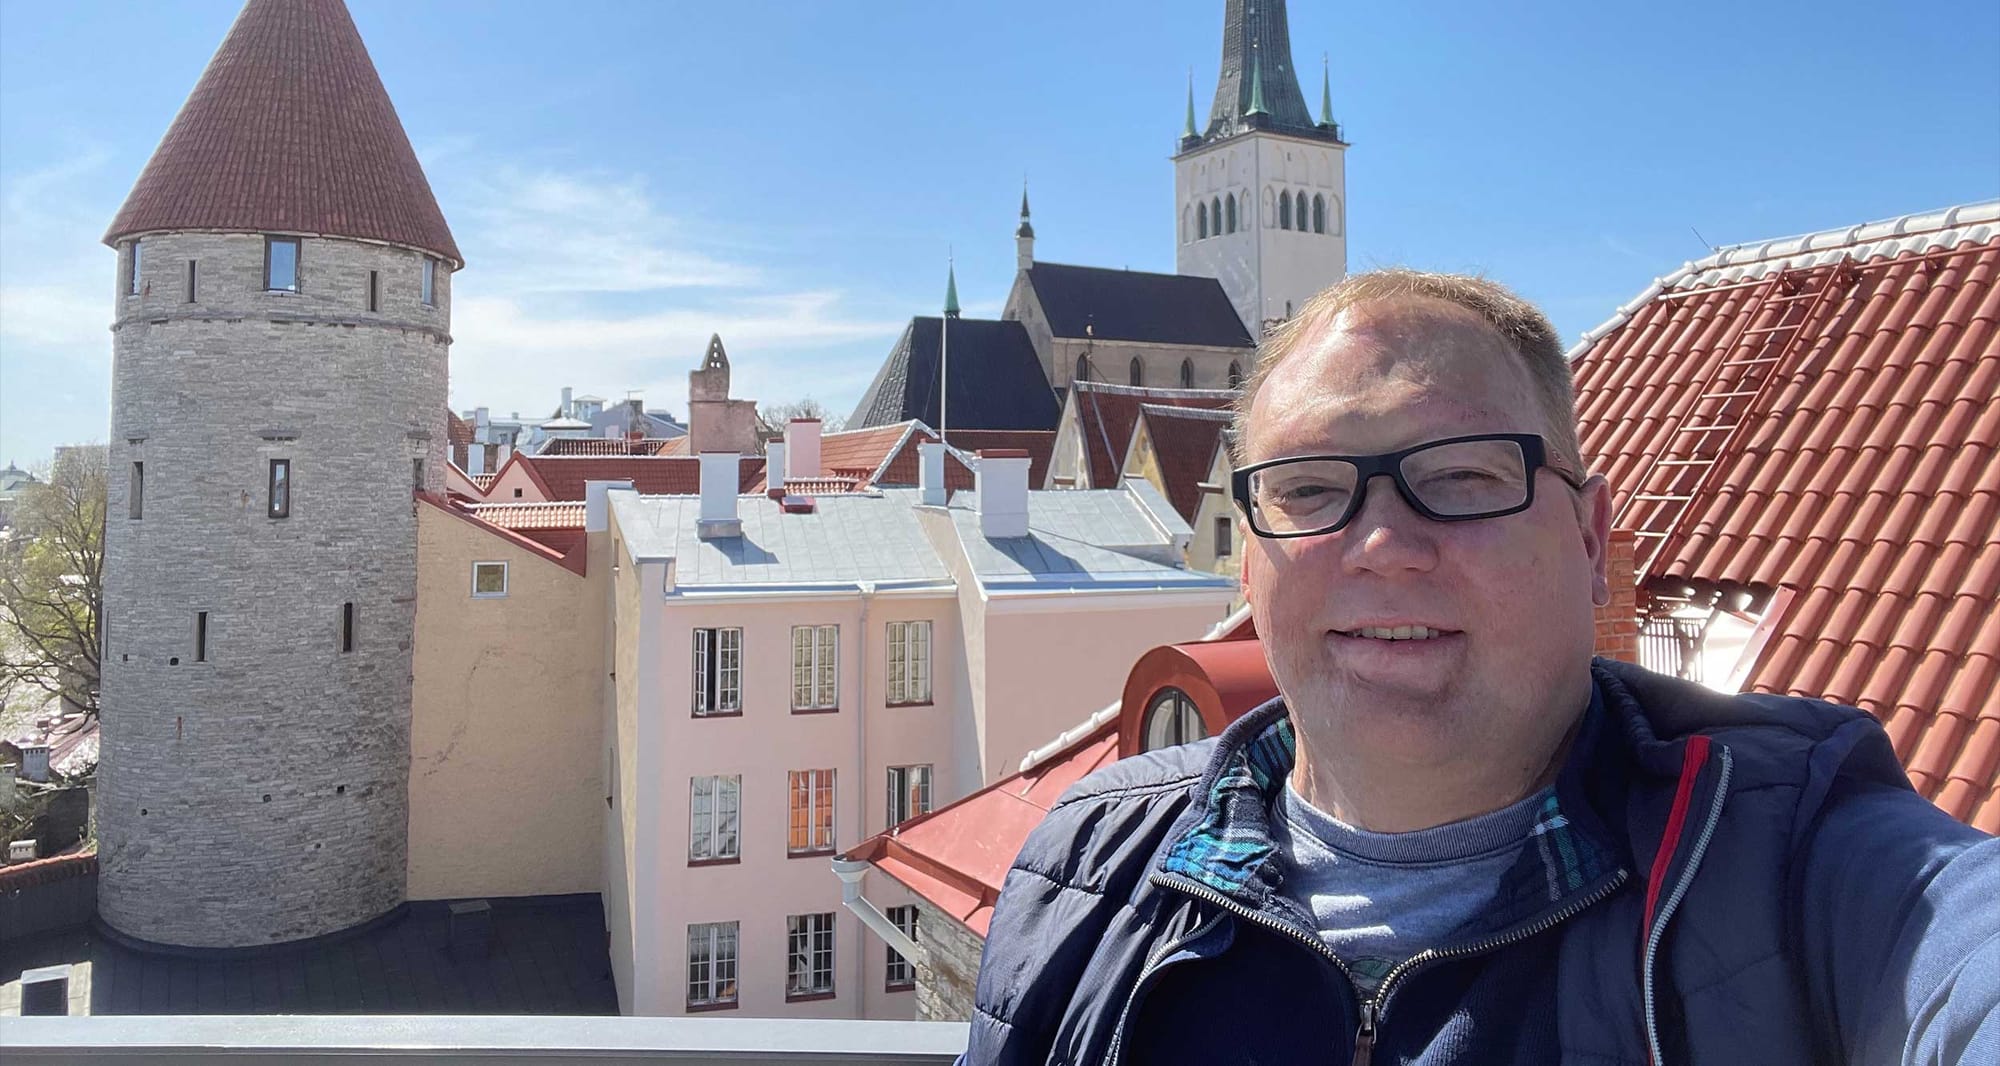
column 289, row 131
column 1108, row 414
column 565, row 476
column 608, row 446
column 1863, row 479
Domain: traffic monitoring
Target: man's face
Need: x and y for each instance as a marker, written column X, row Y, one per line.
column 1511, row 596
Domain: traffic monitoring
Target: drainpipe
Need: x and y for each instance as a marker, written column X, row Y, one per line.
column 850, row 872
column 861, row 799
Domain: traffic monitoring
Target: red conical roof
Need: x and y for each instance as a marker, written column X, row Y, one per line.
column 289, row 130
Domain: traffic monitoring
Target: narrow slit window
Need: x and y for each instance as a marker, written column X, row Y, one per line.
column 1224, row 531
column 137, row 502
column 374, row 290
column 281, row 264
column 132, row 270
column 430, row 282
column 347, row 627
column 417, row 474
column 191, row 278
column 201, row 636
column 281, row 489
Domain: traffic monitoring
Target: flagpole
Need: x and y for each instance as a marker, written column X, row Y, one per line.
column 944, row 348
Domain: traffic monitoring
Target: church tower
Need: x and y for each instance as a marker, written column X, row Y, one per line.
column 280, row 329
column 1261, row 191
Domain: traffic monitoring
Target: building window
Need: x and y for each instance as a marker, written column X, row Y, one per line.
column 1285, row 210
column 1224, row 530
column 815, row 668
column 347, row 627
column 712, row 965
column 1201, row 222
column 201, row 636
column 191, row 277
column 1082, row 368
column 1137, row 371
column 718, row 672
column 430, row 281
column 489, row 580
column 1319, row 213
column 1171, row 719
column 132, row 270
column 281, row 264
column 902, row 973
column 135, row 499
column 909, row 662
column 1187, row 373
column 809, row 956
column 279, row 503
column 812, row 812
column 374, row 290
column 1235, row 375
column 909, row 793
column 714, row 811
column 417, row 474
column 1229, row 209
column 1215, row 214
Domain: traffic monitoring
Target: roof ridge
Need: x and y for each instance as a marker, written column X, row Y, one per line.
column 1206, row 414
column 1110, row 389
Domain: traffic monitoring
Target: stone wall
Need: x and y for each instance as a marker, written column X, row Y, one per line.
column 258, row 793
column 949, row 968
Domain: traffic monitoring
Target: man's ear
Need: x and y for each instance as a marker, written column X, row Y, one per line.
column 1593, row 515
column 1243, row 536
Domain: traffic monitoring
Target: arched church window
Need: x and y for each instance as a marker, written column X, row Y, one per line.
column 1201, row 222
column 1229, row 209
column 1083, row 368
column 1187, row 373
column 1235, row 375
column 1172, row 718
column 1285, row 210
column 1299, row 204
column 1215, row 213
column 1187, row 225
column 1319, row 213
column 1138, row 371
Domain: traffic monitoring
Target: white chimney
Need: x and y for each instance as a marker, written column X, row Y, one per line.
column 475, row 458
column 597, row 504
column 720, row 482
column 774, row 465
column 501, row 454
column 1002, row 482
column 930, row 475
column 802, row 447
column 481, row 421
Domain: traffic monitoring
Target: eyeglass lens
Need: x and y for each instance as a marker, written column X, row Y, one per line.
column 1461, row 479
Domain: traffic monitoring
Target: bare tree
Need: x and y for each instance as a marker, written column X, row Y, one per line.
column 776, row 415
column 52, row 581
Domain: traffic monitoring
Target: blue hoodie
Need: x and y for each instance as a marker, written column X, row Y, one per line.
column 1718, row 879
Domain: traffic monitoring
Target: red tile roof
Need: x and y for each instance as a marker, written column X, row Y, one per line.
column 1040, row 444
column 610, row 446
column 457, row 430
column 558, row 526
column 289, row 130
column 563, row 477
column 887, row 455
column 1864, row 485
column 571, row 558
column 1185, row 440
column 1107, row 415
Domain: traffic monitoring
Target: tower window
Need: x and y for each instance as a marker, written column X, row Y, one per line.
column 1235, row 375
column 1138, row 371
column 347, row 627
column 1229, row 209
column 417, row 474
column 281, row 264
column 136, row 498
column 1215, row 213
column 1285, row 210
column 280, row 504
column 430, row 281
column 374, row 290
column 1083, row 368
column 191, row 274
column 201, row 636
column 1201, row 222
column 1319, row 213
column 1224, row 529
column 132, row 270
column 1187, row 373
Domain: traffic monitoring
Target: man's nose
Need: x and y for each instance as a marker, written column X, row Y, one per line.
column 1387, row 536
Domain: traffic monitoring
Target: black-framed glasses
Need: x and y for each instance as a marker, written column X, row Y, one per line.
column 1457, row 479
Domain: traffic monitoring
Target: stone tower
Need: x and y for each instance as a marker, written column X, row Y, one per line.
column 1261, row 192
column 282, row 319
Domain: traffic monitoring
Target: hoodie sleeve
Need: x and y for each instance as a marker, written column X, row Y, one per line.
column 1900, row 926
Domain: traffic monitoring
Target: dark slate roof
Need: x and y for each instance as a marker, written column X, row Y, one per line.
column 548, row 956
column 1134, row 305
column 1258, row 28
column 289, row 130
column 996, row 380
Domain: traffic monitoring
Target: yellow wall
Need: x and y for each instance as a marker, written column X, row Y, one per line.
column 507, row 763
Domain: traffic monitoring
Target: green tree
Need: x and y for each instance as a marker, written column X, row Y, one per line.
column 52, row 581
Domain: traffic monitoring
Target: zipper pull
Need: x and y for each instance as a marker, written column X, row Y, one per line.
column 1364, row 1036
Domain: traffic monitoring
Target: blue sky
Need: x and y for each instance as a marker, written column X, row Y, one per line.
column 627, row 178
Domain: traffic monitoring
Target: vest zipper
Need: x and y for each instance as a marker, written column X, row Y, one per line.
column 1145, row 972
column 1654, row 935
column 1375, row 1009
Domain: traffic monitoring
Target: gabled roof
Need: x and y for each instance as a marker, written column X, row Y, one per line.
column 563, row 477
column 1106, row 415
column 457, row 430
column 996, row 379
column 1863, row 492
column 1134, row 305
column 570, row 557
column 557, row 526
column 1185, row 440
column 289, row 131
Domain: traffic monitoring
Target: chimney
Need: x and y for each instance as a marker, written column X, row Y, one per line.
column 475, row 459
column 930, row 475
column 502, row 452
column 774, row 467
column 802, row 447
column 480, row 421
column 565, row 404
column 720, row 482
column 1002, row 481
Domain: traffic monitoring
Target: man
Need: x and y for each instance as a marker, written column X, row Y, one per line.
column 1455, row 838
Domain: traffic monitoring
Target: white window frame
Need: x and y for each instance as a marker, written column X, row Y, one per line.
column 723, row 647
column 909, row 792
column 504, row 578
column 900, row 975
column 815, row 668
column 713, row 952
column 429, row 283
column 909, row 665
column 715, row 818
column 809, row 956
column 821, row 789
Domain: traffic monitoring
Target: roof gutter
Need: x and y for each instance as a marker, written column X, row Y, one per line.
column 850, row 872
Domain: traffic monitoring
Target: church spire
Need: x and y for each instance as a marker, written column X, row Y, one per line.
column 1257, row 55
column 1190, row 131
column 1256, row 87
column 1026, row 229
column 1325, row 92
column 951, row 287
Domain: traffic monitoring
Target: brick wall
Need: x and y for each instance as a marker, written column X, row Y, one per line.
column 1618, row 621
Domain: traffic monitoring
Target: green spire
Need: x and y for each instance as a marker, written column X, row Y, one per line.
column 1325, row 93
column 1256, row 86
column 1190, row 131
column 951, row 290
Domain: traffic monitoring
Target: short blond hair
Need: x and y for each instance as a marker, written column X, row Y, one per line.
column 1526, row 330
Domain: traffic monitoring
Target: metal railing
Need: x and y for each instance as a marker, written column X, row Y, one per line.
column 353, row 1040
column 1672, row 646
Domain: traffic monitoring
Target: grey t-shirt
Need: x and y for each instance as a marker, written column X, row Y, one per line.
column 1379, row 898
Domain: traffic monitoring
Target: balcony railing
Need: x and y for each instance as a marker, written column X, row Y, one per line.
column 353, row 1040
